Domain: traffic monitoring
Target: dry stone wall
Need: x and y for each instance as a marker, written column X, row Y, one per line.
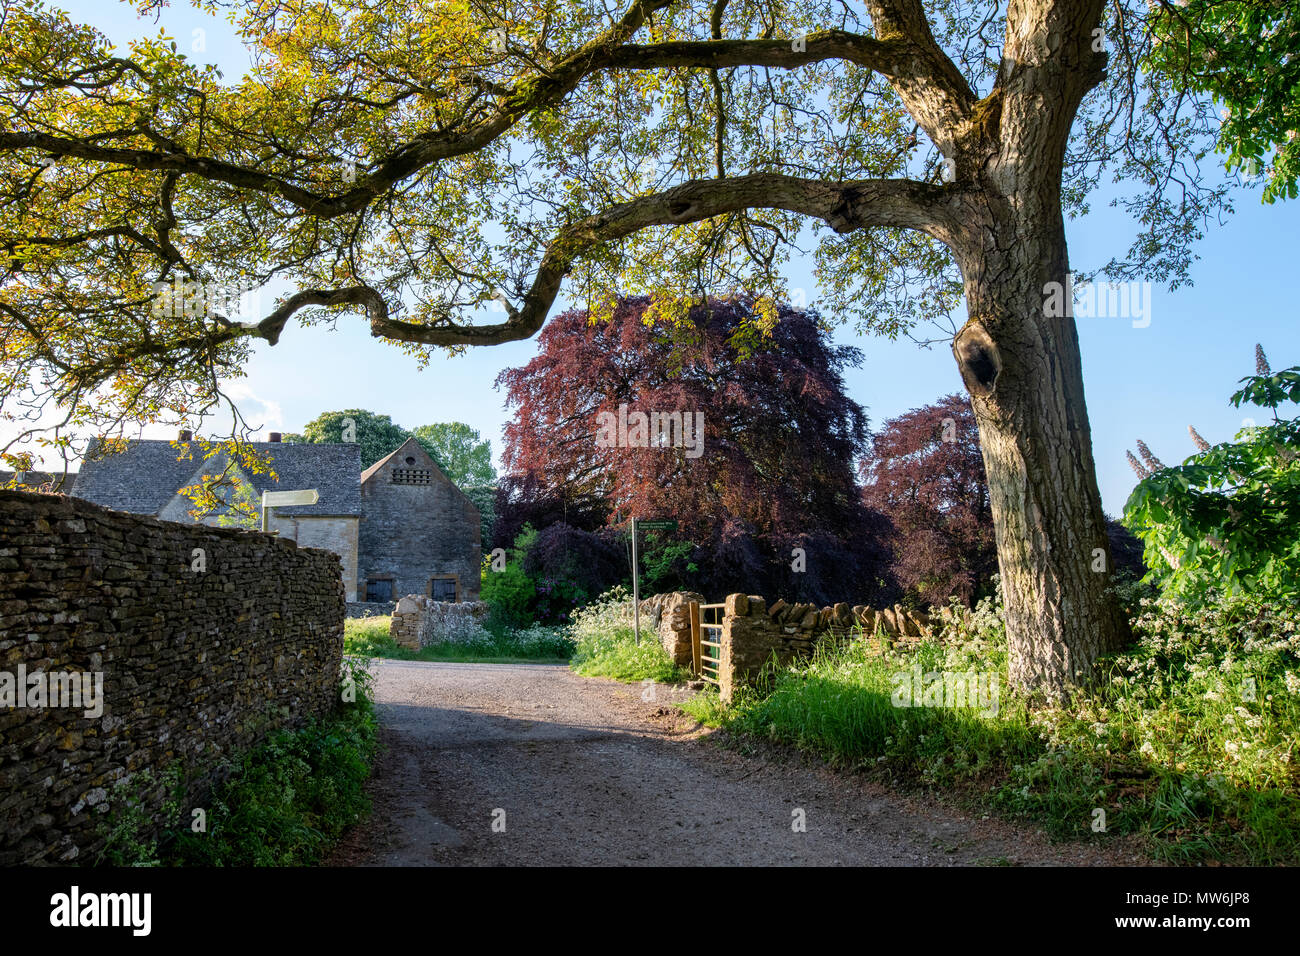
column 419, row 621
column 754, row 633
column 669, row 615
column 205, row 640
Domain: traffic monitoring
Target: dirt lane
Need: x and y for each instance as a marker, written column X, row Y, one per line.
column 489, row 764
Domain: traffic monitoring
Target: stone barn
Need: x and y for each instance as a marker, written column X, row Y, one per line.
column 401, row 527
column 420, row 534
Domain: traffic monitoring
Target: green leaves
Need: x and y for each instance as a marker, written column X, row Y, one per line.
column 1228, row 518
column 1269, row 391
column 1243, row 53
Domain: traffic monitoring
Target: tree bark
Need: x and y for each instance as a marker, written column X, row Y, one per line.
column 1023, row 371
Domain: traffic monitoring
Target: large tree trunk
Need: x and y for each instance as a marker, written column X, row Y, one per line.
column 1023, row 371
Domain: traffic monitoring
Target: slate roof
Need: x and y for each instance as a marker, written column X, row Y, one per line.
column 146, row 476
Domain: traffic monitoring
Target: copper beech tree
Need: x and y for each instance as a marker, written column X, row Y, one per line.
column 769, row 439
column 440, row 168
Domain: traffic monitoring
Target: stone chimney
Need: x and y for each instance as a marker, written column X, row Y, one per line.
column 274, row 438
column 186, row 435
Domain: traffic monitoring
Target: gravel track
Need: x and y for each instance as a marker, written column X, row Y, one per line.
column 588, row 773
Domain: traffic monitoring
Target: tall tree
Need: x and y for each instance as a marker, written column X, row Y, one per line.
column 376, row 434
column 460, row 453
column 415, row 162
column 769, row 437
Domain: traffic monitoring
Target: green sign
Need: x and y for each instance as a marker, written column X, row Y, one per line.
column 663, row 524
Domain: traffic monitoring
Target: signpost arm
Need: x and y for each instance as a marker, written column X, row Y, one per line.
column 285, row 499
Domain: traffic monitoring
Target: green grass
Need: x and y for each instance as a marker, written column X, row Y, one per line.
column 615, row 654
column 605, row 644
column 285, row 802
column 369, row 637
column 1173, row 742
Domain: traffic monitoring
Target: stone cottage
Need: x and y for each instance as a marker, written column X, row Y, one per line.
column 401, row 527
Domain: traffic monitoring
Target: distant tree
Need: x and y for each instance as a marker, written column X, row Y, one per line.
column 484, row 498
column 459, row 452
column 779, row 433
column 925, row 473
column 376, row 434
column 925, row 476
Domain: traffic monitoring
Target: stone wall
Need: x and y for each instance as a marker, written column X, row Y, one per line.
column 669, row 615
column 754, row 634
column 206, row 638
column 419, row 621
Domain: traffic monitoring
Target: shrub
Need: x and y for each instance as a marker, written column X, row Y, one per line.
column 1228, row 518
column 462, row 629
column 509, row 593
column 539, row 641
column 369, row 636
column 570, row 566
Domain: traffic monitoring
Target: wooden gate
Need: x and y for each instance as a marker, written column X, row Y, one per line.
column 706, row 640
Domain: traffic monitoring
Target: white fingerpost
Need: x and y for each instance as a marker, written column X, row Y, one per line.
column 284, row 499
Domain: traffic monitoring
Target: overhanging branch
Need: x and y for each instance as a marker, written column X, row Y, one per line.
column 846, row 206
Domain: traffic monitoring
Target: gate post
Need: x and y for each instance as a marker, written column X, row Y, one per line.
column 695, row 637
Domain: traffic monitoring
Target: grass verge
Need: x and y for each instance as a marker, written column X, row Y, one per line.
column 605, row 644
column 1188, row 740
column 285, row 802
column 369, row 637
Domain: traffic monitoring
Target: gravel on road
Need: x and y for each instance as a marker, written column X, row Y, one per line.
column 529, row 764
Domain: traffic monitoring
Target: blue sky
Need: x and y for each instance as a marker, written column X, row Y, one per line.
column 1148, row 383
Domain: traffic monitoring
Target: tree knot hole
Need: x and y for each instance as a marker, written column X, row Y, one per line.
column 979, row 359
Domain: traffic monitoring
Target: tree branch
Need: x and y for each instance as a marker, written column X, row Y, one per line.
column 846, row 206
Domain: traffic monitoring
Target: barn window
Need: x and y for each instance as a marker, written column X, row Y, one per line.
column 412, row 476
column 444, row 587
column 379, row 589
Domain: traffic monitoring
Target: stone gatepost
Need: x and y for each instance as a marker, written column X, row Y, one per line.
column 748, row 641
column 407, row 618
